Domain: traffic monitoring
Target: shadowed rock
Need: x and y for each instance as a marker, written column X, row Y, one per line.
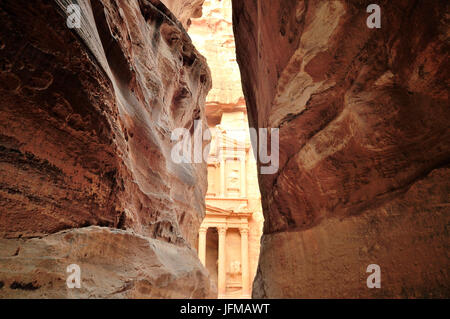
column 364, row 144
column 86, row 119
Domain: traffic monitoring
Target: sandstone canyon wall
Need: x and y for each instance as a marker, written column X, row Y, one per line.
column 85, row 171
column 184, row 10
column 364, row 144
column 86, row 175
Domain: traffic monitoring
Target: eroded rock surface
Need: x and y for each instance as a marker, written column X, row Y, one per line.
column 364, row 145
column 114, row 264
column 184, row 10
column 86, row 119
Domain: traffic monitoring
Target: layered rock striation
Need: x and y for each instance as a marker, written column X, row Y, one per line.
column 364, row 145
column 86, row 175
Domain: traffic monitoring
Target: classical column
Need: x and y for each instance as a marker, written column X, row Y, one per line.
column 222, row 176
column 202, row 244
column 222, row 270
column 244, row 262
column 243, row 177
column 222, row 148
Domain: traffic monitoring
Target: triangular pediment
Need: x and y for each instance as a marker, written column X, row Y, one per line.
column 231, row 143
column 218, row 211
column 213, row 210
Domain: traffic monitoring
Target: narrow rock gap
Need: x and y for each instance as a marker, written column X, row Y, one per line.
column 91, row 180
column 233, row 206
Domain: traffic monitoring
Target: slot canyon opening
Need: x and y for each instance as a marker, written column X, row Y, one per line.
column 88, row 176
column 229, row 236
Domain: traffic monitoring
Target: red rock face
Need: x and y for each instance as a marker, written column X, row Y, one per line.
column 86, row 119
column 85, row 170
column 184, row 10
column 364, row 145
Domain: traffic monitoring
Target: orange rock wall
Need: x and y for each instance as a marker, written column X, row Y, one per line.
column 364, row 145
column 184, row 10
column 86, row 120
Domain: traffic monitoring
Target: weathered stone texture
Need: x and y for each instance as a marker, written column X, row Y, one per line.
column 364, row 144
column 86, row 119
column 114, row 264
column 184, row 10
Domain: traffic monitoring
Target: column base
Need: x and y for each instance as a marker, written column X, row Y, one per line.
column 233, row 296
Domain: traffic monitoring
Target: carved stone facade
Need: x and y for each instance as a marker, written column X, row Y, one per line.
column 230, row 233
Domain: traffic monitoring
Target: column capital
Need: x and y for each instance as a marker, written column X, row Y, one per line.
column 222, row 229
column 203, row 229
column 243, row 230
column 245, row 261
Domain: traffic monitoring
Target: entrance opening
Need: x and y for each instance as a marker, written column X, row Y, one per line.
column 229, row 237
column 212, row 253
